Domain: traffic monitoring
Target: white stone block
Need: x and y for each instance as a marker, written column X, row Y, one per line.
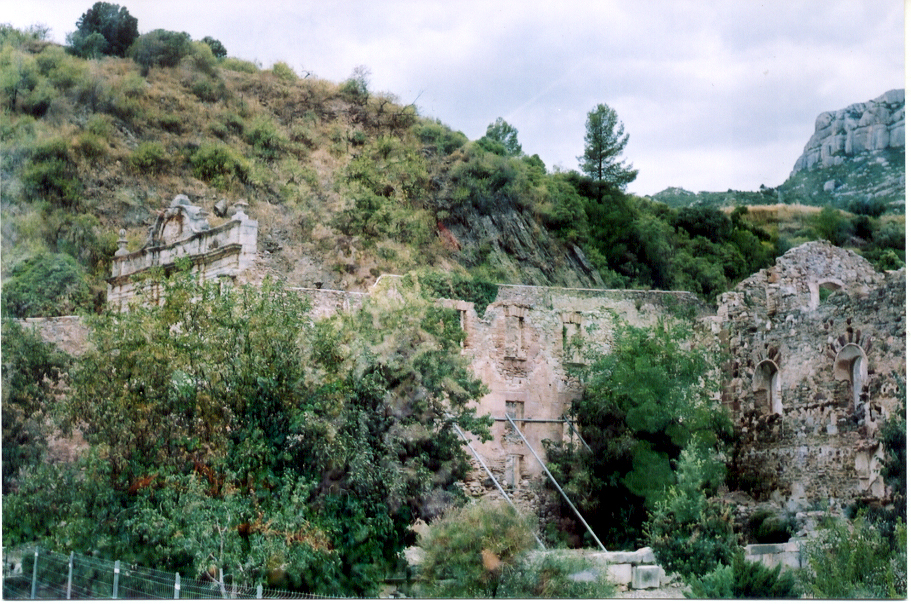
column 621, row 574
column 646, row 577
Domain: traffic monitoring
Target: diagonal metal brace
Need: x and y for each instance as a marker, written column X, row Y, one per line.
column 556, row 484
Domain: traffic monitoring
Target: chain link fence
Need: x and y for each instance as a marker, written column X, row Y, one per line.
column 39, row 574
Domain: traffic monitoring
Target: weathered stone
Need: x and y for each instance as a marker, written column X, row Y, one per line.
column 621, row 574
column 646, row 577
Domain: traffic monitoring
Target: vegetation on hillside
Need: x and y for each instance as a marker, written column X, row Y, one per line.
column 341, row 178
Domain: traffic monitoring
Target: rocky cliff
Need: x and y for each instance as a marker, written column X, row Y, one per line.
column 862, row 127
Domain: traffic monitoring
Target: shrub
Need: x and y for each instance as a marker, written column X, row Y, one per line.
column 744, row 579
column 234, row 64
column 218, row 49
column 219, row 164
column 46, row 285
column 52, row 174
column 556, row 576
column 31, row 367
column 284, row 72
column 766, row 526
column 265, row 138
column 160, row 48
column 149, row 157
column 458, row 287
column 689, row 533
column 90, row 146
column 470, row 548
column 854, row 560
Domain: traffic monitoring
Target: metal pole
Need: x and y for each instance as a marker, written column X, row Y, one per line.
column 116, row 579
column 556, row 484
column 573, row 430
column 35, row 575
column 492, row 477
column 69, row 579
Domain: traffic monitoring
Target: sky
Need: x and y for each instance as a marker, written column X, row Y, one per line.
column 714, row 94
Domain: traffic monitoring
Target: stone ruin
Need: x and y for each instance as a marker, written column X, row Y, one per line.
column 182, row 230
column 816, row 344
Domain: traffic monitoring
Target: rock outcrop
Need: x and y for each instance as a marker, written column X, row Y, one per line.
column 872, row 126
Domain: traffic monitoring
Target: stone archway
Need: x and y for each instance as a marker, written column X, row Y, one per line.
column 767, row 386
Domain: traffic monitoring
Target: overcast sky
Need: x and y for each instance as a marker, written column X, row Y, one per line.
column 713, row 94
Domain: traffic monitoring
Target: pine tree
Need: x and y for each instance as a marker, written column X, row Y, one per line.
column 604, row 142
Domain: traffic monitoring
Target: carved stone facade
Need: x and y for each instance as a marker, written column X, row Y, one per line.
column 182, row 231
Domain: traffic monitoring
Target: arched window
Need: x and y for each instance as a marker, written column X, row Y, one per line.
column 767, row 386
column 851, row 365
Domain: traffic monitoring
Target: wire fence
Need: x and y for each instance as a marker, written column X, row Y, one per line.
column 40, row 574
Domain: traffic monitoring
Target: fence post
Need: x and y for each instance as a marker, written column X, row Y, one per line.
column 116, row 579
column 259, row 591
column 35, row 575
column 176, row 586
column 69, row 579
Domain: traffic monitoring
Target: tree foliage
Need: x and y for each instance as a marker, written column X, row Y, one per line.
column 32, row 370
column 228, row 432
column 502, row 138
column 644, row 402
column 104, row 29
column 605, row 140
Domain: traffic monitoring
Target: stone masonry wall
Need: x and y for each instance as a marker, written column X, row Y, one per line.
column 812, row 377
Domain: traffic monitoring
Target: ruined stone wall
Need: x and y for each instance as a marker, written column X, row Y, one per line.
column 182, row 231
column 524, row 347
column 813, row 376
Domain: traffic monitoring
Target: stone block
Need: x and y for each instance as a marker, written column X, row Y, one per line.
column 646, row 577
column 621, row 574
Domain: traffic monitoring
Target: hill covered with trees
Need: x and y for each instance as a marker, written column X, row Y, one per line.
column 346, row 183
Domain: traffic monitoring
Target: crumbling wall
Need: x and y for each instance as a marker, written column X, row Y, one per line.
column 811, row 376
column 182, row 231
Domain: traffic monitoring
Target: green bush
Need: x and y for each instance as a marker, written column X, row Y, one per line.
column 219, row 164
column 766, row 526
column 235, row 64
column 90, row 146
column 52, row 174
column 265, row 138
column 469, row 549
column 689, row 533
column 160, row 48
column 149, row 157
column 31, row 368
column 744, row 579
column 458, row 287
column 218, row 49
column 46, row 285
column 854, row 560
column 553, row 575
column 284, row 72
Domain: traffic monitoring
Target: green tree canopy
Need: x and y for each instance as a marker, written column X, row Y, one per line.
column 604, row 143
column 502, row 138
column 114, row 23
column 228, row 431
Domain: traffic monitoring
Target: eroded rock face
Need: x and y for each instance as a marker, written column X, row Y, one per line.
column 862, row 127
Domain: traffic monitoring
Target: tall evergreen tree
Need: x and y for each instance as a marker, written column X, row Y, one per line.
column 604, row 142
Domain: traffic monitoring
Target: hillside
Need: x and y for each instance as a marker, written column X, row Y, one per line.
column 346, row 184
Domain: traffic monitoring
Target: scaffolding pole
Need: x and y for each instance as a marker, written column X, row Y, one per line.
column 556, row 484
column 573, row 430
column 492, row 477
